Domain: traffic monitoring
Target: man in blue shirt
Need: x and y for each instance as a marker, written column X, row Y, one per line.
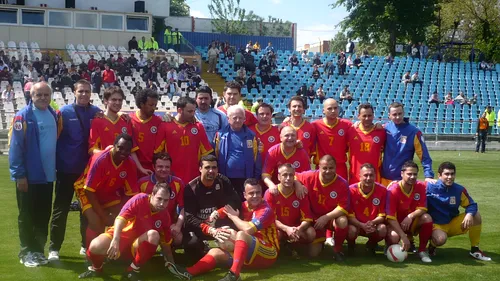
column 444, row 198
column 237, row 150
column 212, row 119
column 32, row 164
column 72, row 157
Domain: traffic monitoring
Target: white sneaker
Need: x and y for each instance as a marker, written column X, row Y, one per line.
column 329, row 242
column 53, row 256
column 29, row 261
column 424, row 257
column 40, row 258
column 479, row 255
column 83, row 251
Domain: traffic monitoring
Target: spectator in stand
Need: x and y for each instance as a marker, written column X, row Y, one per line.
column 17, row 76
column 349, row 61
column 96, row 80
column 92, row 63
column 317, row 61
column 172, row 75
column 142, row 44
column 305, row 57
column 151, row 44
column 3, row 57
column 182, row 77
column 8, row 93
column 329, row 69
column 242, row 72
column 142, row 62
column 462, row 99
column 482, row 132
column 108, row 77
column 294, row 61
column 275, row 79
column 229, row 54
column 120, row 59
column 241, row 78
column 341, row 63
column 212, row 58
column 424, row 50
column 264, row 65
column 434, row 98
column 349, row 48
column 311, row 93
column 252, row 83
column 249, row 63
column 102, row 63
column 256, row 47
column 249, row 47
column 173, row 89
column 133, row 44
column 84, row 74
column 38, row 66
column 389, row 60
column 111, row 61
column 27, row 89
column 490, row 115
column 302, row 92
column 269, row 48
column 357, row 62
column 315, row 74
column 238, row 61
column 448, row 100
column 406, row 78
column 31, row 73
column 5, row 75
column 473, row 100
column 197, row 80
column 320, row 94
column 151, row 85
column 415, row 79
column 346, row 95
column 365, row 54
column 132, row 61
column 414, row 51
column 264, row 79
column 152, row 75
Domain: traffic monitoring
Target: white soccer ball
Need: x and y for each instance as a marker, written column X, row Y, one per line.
column 395, row 253
column 228, row 245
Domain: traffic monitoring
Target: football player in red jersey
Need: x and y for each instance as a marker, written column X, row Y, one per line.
column 145, row 125
column 406, row 211
column 256, row 245
column 142, row 225
column 268, row 134
column 232, row 96
column 293, row 215
column 306, row 132
column 328, row 195
column 367, row 215
column 162, row 163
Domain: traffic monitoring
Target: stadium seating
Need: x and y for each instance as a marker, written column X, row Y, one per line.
column 380, row 84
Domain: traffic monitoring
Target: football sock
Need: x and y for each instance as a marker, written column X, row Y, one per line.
column 475, row 235
column 329, row 233
column 340, row 236
column 89, row 236
column 96, row 260
column 206, row 264
column 424, row 236
column 240, row 253
column 144, row 252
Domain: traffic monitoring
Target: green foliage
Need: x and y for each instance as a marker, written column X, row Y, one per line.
column 387, row 21
column 338, row 42
column 179, row 8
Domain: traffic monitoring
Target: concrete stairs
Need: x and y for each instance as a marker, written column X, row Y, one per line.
column 215, row 81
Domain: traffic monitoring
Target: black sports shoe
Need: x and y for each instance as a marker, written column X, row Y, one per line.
column 90, row 273
column 412, row 249
column 178, row 271
column 338, row 256
column 131, row 276
column 230, row 276
column 432, row 251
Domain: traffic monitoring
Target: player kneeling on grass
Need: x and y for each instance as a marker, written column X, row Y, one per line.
column 406, row 211
column 444, row 199
column 256, row 244
column 142, row 225
column 367, row 215
column 293, row 215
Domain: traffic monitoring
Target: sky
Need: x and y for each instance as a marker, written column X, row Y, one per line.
column 315, row 19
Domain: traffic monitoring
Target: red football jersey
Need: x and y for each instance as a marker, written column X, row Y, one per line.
column 186, row 144
column 399, row 203
column 147, row 183
column 269, row 138
column 325, row 197
column 290, row 210
column 331, row 139
column 105, row 178
column 250, row 119
column 365, row 147
column 263, row 220
column 306, row 133
column 140, row 219
column 275, row 157
column 103, row 132
column 367, row 207
column 145, row 132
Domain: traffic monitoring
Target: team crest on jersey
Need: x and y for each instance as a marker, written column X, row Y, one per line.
column 402, row 139
column 158, row 223
column 296, row 164
column 124, row 130
column 123, row 174
column 376, row 201
column 271, row 139
column 295, row 203
column 172, row 194
column 417, row 196
column 453, row 200
column 217, row 186
column 154, row 129
column 341, row 132
column 249, row 143
column 376, row 139
column 333, row 194
column 307, row 135
column 194, row 131
column 18, row 125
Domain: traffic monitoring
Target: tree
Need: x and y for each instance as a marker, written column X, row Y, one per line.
column 227, row 16
column 179, row 8
column 338, row 42
column 387, row 21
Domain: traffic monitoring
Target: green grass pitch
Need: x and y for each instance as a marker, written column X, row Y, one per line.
column 478, row 172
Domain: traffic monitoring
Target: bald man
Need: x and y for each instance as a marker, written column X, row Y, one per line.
column 32, row 164
column 331, row 136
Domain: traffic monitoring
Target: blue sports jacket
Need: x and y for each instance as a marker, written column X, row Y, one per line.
column 24, row 148
column 443, row 202
column 251, row 154
column 402, row 142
